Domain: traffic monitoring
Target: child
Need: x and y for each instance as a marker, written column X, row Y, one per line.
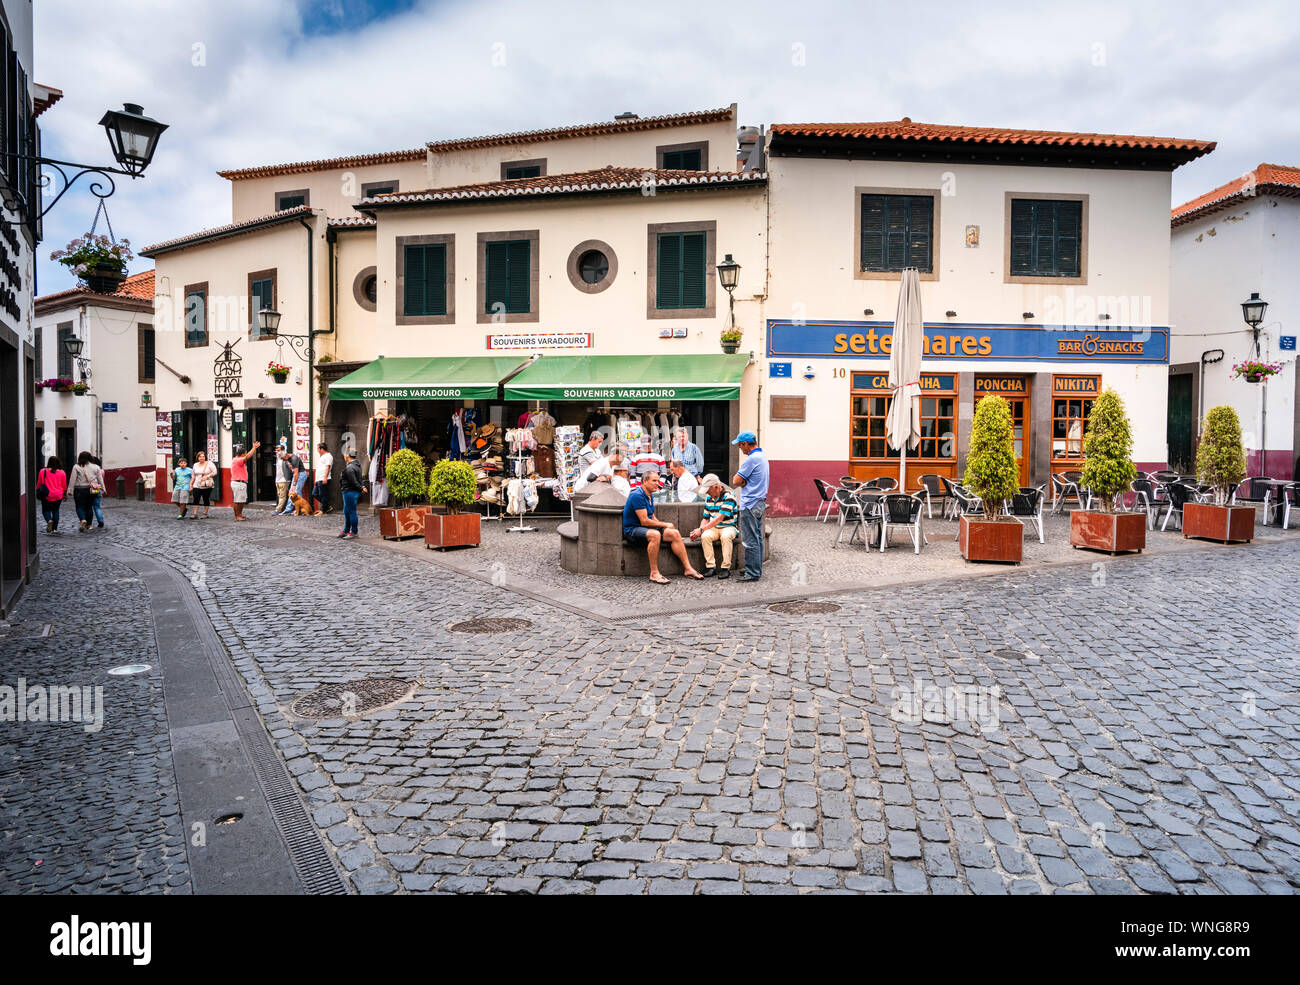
column 181, row 490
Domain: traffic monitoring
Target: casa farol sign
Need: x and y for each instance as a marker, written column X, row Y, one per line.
column 228, row 372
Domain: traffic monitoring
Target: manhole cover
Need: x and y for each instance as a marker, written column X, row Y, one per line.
column 491, row 624
column 1008, row 654
column 129, row 669
column 804, row 608
column 352, row 698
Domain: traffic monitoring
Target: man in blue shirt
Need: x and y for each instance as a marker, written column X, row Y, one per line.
column 642, row 529
column 751, row 482
column 687, row 452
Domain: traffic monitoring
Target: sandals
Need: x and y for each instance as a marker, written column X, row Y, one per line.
column 661, row 580
column 696, row 575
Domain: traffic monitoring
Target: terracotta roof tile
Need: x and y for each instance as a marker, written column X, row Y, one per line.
column 606, row 179
column 906, row 130
column 137, row 287
column 351, row 222
column 1267, row 179
column 325, row 164
column 221, row 232
column 586, row 130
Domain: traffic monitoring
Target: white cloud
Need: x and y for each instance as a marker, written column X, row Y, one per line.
column 268, row 92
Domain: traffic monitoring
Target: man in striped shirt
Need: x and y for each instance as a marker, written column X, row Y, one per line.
column 719, row 524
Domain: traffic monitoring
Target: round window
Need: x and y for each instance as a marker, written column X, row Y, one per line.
column 370, row 290
column 593, row 266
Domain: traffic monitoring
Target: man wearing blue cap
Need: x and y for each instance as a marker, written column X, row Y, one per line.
column 751, row 482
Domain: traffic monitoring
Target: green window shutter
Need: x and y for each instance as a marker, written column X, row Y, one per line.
column 532, row 171
column 39, row 368
column 414, row 295
column 435, row 279
column 668, row 290
column 261, row 298
column 1069, row 238
column 897, row 231
column 682, row 160
column 920, row 233
column 64, row 364
column 1046, row 238
column 694, row 264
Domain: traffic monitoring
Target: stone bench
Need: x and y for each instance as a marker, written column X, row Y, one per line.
column 593, row 544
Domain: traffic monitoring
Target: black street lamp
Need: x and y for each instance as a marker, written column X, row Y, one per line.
column 133, row 138
column 1252, row 310
column 728, row 276
column 73, row 346
column 268, row 322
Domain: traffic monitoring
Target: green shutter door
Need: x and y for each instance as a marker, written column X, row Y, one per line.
column 694, row 287
column 435, row 279
column 518, row 292
column 920, row 223
column 414, row 297
column 214, row 427
column 495, row 290
column 668, row 290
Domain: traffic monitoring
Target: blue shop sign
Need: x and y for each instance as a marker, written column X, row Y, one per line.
column 973, row 340
column 108, row 408
column 780, row 370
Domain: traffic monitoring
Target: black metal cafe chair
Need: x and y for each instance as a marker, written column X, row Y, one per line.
column 1179, row 496
column 1027, row 507
column 901, row 510
column 857, row 510
column 964, row 501
column 827, row 493
column 1063, row 487
column 1144, row 493
column 932, row 488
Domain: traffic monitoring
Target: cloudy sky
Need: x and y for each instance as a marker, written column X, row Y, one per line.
column 245, row 82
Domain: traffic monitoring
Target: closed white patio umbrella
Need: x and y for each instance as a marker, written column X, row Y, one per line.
column 903, row 423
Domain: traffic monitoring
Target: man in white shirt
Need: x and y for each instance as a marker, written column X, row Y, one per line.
column 687, row 484
column 320, row 491
column 590, row 453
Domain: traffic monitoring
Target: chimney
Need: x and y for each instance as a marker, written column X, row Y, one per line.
column 629, row 115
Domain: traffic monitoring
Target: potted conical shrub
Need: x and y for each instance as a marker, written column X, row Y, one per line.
column 1108, row 447
column 407, row 484
column 452, row 486
column 993, row 476
column 1221, row 463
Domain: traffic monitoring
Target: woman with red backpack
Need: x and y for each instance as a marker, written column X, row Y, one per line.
column 51, row 489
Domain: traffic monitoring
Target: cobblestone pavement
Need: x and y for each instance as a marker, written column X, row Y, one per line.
column 87, row 811
column 1110, row 727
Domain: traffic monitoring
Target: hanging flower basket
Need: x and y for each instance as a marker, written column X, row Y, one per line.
column 1253, row 371
column 731, row 340
column 97, row 260
column 81, row 389
column 278, row 371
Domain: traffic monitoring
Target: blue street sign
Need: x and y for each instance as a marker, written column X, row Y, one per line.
column 782, row 370
column 109, row 408
column 1286, row 343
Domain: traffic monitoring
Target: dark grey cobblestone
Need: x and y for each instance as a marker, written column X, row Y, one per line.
column 88, row 812
column 745, row 751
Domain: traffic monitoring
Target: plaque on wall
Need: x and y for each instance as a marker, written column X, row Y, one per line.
column 788, row 408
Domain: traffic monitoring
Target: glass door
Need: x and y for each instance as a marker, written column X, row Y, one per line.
column 1019, row 422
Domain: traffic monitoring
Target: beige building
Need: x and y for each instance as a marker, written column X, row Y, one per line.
column 575, row 270
column 552, row 245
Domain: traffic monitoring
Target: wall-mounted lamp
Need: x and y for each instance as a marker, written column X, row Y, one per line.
column 950, row 313
column 1026, row 315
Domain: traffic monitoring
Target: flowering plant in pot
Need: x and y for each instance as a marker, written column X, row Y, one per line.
column 1220, row 463
column 279, row 371
column 1108, row 471
column 992, row 475
column 97, row 260
column 59, row 384
column 453, row 487
column 730, row 338
column 406, row 476
column 1254, row 371
column 81, row 388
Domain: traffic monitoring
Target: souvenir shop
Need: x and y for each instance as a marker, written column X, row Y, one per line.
column 522, row 436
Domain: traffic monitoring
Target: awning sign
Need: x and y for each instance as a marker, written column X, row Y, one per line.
column 527, row 341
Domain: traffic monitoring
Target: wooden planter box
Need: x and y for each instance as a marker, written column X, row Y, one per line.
column 398, row 523
column 1110, row 532
column 991, row 540
column 443, row 530
column 1226, row 524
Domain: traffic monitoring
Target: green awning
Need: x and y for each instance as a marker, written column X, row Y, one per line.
column 427, row 378
column 675, row 377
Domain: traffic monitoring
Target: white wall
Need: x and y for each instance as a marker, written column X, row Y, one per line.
column 334, row 191
column 1218, row 261
column 815, row 255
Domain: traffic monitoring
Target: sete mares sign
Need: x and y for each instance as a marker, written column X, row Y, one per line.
column 961, row 341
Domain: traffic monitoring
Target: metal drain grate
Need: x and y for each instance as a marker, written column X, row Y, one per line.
column 352, row 698
column 802, row 607
column 1010, row 654
column 491, row 624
